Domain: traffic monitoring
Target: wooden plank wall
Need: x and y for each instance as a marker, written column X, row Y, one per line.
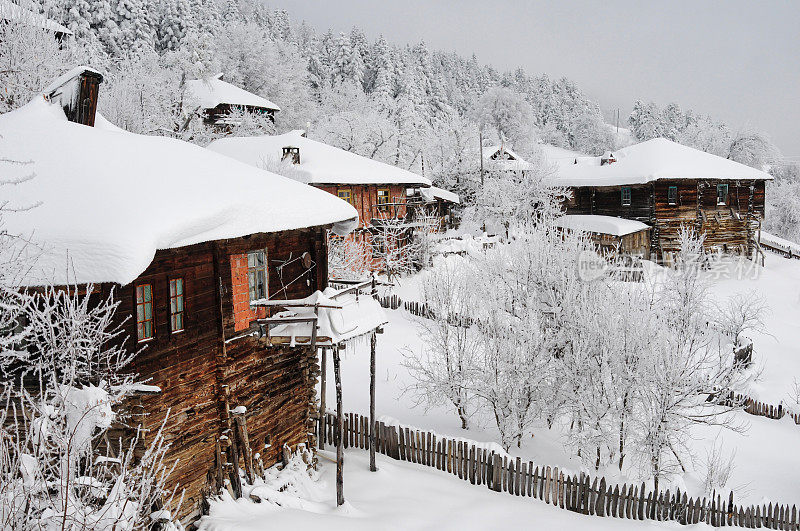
column 365, row 199
column 276, row 384
column 729, row 227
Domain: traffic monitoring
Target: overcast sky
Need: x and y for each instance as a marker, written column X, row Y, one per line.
column 738, row 60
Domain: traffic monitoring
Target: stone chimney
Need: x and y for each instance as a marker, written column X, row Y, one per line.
column 76, row 92
column 292, row 153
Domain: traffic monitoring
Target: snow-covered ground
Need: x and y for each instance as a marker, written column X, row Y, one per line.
column 402, row 495
column 766, row 465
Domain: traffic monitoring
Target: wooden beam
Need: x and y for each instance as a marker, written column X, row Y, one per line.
column 339, row 429
column 372, row 341
column 322, row 389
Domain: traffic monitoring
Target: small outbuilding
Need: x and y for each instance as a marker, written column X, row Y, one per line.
column 218, row 99
column 611, row 234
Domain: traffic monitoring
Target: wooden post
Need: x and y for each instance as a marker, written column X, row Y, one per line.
column 480, row 137
column 339, row 425
column 322, row 390
column 241, row 425
column 372, row 341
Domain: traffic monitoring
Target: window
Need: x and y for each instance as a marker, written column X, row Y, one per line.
column 257, row 274
column 144, row 312
column 176, row 305
column 345, row 194
column 626, row 196
column 722, row 194
column 383, row 199
column 672, row 195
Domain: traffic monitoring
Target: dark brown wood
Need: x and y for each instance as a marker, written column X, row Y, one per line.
column 339, row 428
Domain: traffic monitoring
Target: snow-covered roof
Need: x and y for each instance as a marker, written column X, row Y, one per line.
column 358, row 316
column 433, row 193
column 600, row 224
column 13, row 11
column 491, row 151
column 319, row 163
column 654, row 159
column 213, row 91
column 109, row 199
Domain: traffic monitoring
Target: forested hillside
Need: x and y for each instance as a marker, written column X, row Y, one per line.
column 404, row 104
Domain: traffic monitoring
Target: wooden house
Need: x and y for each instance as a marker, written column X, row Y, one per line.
column 666, row 186
column 378, row 191
column 218, row 99
column 185, row 239
column 14, row 13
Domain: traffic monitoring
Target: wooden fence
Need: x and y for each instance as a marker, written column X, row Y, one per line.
column 760, row 409
column 578, row 493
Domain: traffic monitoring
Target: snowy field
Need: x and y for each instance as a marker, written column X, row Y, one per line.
column 408, row 496
column 766, row 462
column 402, row 495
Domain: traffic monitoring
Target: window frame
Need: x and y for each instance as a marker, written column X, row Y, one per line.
column 174, row 313
column 252, row 274
column 623, row 190
column 721, row 186
column 383, row 206
column 672, row 200
column 144, row 302
column 349, row 192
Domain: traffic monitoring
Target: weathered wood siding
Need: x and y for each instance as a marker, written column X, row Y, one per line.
column 728, row 227
column 365, row 200
column 191, row 367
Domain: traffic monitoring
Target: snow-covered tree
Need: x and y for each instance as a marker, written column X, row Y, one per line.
column 753, row 148
column 445, row 368
column 506, row 113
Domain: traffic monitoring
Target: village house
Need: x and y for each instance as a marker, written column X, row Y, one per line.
column 13, row 12
column 217, row 99
column 378, row 191
column 185, row 239
column 666, row 185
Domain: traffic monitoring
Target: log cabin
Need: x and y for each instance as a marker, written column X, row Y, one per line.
column 378, row 191
column 217, row 99
column 184, row 239
column 666, row 186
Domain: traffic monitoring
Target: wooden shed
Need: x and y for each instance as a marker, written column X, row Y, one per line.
column 185, row 239
column 610, row 234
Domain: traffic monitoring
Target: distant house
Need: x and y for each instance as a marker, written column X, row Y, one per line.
column 667, row 185
column 378, row 191
column 14, row 12
column 186, row 239
column 503, row 157
column 435, row 202
column 218, row 99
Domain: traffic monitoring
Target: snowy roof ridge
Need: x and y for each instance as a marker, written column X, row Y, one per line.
column 13, row 11
column 320, row 163
column 213, row 91
column 600, row 224
column 434, row 192
column 651, row 160
column 109, row 199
